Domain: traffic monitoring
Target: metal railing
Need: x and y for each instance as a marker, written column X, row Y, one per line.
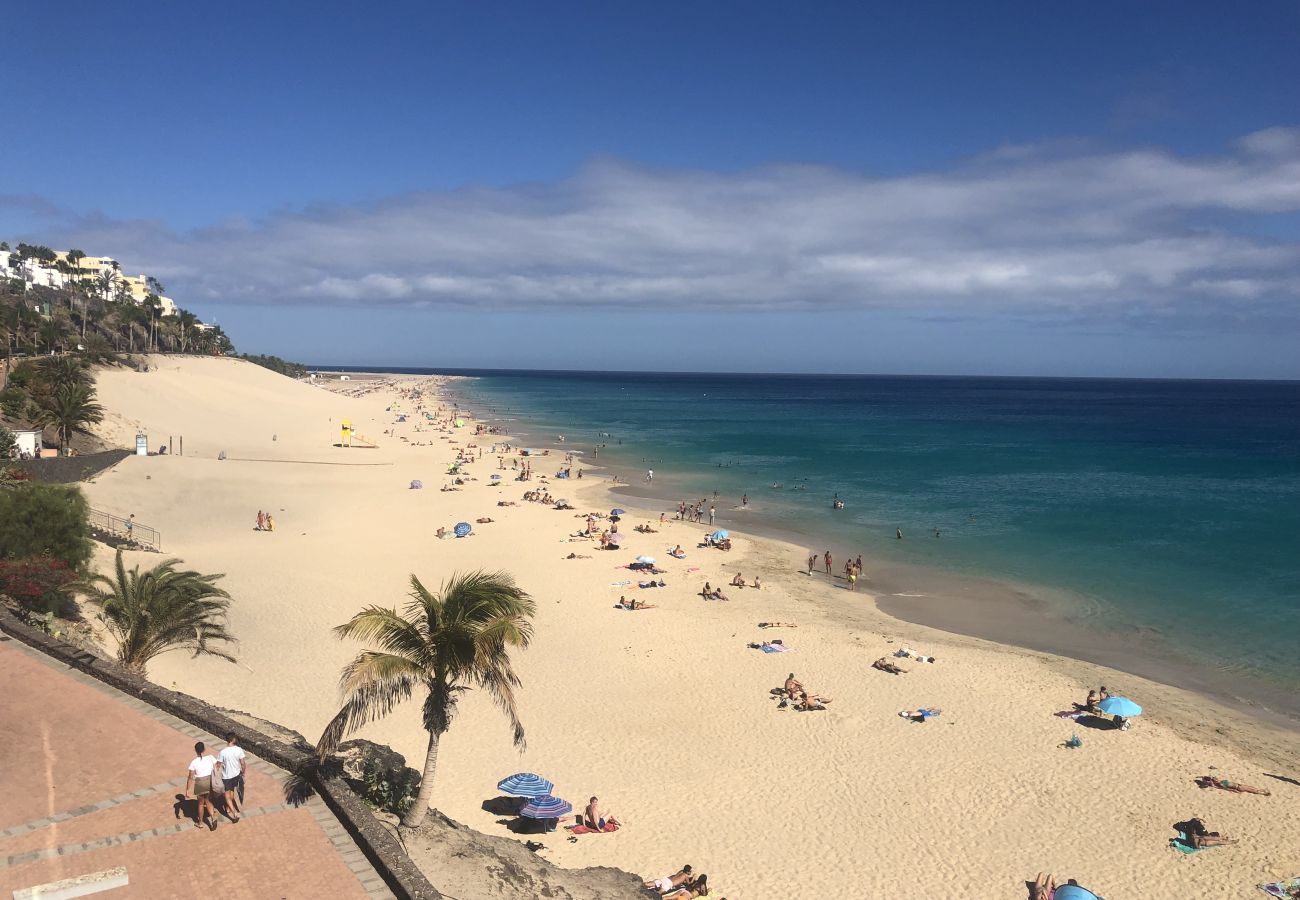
column 125, row 532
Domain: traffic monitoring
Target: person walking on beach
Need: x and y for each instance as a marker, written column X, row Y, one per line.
column 827, row 559
column 712, row 512
column 812, row 561
column 232, row 776
column 744, row 500
column 270, row 522
column 199, row 781
column 261, row 520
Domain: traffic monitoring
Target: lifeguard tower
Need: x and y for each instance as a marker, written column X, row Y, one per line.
column 345, row 439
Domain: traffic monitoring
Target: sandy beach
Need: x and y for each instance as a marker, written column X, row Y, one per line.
column 666, row 714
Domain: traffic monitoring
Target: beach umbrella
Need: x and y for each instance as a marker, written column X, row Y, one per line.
column 646, row 560
column 615, row 539
column 1073, row 892
column 720, row 535
column 617, row 512
column 546, row 807
column 417, row 484
column 462, row 529
column 1119, row 706
column 525, row 784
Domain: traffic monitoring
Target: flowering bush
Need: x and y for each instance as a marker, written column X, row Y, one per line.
column 37, row 584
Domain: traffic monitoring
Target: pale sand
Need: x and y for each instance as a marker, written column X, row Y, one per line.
column 664, row 713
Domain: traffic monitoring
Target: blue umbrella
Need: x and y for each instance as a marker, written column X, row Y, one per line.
column 1074, row 892
column 617, row 512
column 1119, row 706
column 721, row 534
column 462, row 529
column 546, row 807
column 525, row 784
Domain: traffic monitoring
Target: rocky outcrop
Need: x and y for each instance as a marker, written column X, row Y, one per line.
column 468, row 865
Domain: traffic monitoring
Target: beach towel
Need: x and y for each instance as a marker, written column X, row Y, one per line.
column 1281, row 889
column 1070, row 714
column 1184, row 845
column 610, row 828
column 619, row 583
column 775, row 648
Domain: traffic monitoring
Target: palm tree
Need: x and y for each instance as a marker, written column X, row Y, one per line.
column 63, row 371
column 159, row 610
column 446, row 643
column 70, row 407
column 186, row 320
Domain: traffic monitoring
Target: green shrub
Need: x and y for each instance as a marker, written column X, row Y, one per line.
column 7, row 441
column 49, row 520
column 389, row 790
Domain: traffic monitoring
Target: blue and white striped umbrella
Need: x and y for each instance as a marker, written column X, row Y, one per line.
column 1119, row 706
column 462, row 529
column 547, row 807
column 525, row 784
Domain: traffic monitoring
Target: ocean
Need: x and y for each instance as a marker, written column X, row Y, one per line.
column 1159, row 515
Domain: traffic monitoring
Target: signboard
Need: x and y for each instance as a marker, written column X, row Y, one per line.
column 141, row 445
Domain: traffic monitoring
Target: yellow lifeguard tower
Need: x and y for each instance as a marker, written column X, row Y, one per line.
column 345, row 440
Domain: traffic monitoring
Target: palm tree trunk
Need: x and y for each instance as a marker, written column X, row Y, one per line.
column 415, row 815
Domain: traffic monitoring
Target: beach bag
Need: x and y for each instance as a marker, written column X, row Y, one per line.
column 218, row 786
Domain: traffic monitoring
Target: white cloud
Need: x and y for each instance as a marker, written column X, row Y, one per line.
column 1051, row 228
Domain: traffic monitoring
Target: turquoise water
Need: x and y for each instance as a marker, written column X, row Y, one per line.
column 1169, row 508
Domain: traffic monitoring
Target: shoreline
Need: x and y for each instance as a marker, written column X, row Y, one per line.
column 666, row 714
column 996, row 610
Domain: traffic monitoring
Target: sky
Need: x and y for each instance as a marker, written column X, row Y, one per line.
column 1000, row 188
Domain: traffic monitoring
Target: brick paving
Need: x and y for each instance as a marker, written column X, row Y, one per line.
column 93, row 779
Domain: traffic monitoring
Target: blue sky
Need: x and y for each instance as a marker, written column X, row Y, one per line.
column 1001, row 188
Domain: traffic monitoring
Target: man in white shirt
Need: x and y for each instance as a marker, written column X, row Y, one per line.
column 232, row 773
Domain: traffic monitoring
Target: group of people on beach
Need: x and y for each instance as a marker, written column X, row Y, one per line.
column 265, row 521
column 681, row 885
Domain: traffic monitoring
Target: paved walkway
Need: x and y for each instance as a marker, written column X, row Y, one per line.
column 91, row 784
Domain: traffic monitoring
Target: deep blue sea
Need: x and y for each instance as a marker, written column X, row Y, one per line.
column 1166, row 507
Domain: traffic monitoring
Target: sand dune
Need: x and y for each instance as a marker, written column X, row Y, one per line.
column 665, row 713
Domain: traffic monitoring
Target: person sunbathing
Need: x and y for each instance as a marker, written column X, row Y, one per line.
column 1209, row 781
column 777, row 625
column 1093, row 699
column 738, row 581
column 677, row 552
column 884, row 665
column 1043, row 887
column 669, row 882
column 756, row 585
column 1199, row 836
column 792, row 686
column 596, row 820
column 920, row 715
column 697, row 888
column 811, row 702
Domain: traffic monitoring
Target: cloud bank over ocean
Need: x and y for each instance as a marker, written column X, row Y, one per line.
column 1064, row 230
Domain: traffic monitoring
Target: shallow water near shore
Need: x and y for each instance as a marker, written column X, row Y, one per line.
column 1152, row 521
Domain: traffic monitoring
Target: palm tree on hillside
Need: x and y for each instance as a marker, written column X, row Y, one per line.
column 186, row 320
column 70, row 408
column 64, row 371
column 444, row 643
column 161, row 609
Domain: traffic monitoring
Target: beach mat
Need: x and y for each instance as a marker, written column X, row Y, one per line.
column 1280, row 889
column 610, row 828
column 1184, row 846
column 770, row 648
column 1069, row 714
